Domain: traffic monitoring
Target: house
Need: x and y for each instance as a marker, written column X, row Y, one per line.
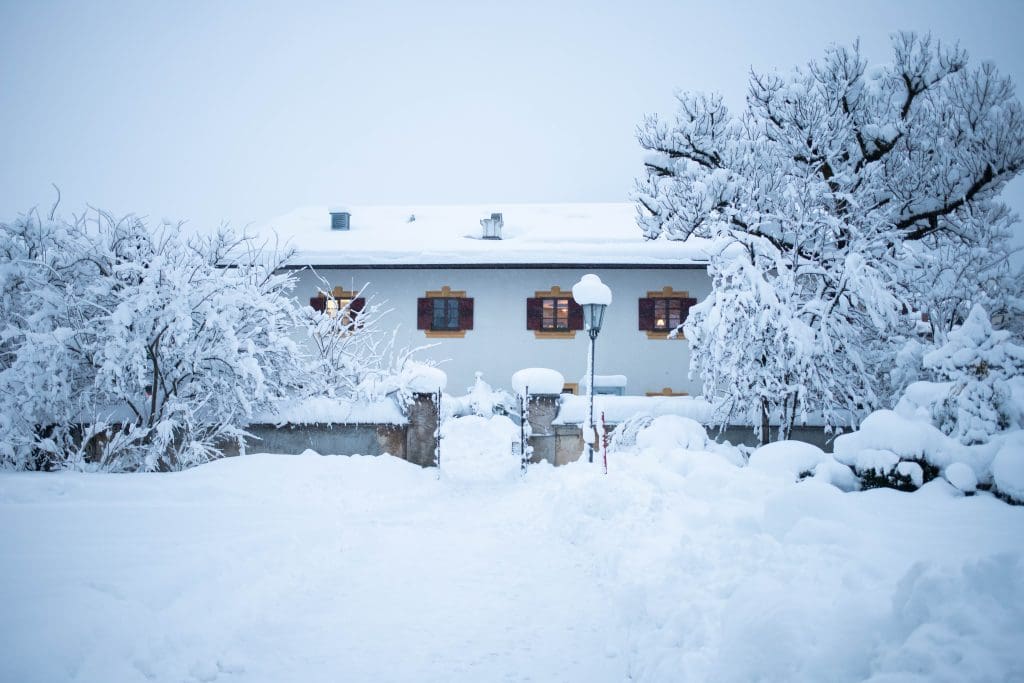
column 490, row 286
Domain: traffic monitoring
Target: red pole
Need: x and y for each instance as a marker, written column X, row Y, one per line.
column 604, row 441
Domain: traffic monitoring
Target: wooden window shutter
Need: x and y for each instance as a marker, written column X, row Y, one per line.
column 646, row 314
column 534, row 313
column 424, row 313
column 685, row 313
column 575, row 315
column 465, row 314
column 318, row 303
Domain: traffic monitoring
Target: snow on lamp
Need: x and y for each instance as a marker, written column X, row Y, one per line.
column 594, row 297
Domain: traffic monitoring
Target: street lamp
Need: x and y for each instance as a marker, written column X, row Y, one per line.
column 594, row 297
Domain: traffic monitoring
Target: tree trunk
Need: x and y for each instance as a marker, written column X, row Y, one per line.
column 765, row 427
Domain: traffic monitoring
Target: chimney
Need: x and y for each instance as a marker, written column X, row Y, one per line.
column 492, row 226
column 340, row 218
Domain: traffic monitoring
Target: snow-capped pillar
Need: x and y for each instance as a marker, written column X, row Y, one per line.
column 542, row 413
column 543, row 389
column 422, row 438
column 421, row 435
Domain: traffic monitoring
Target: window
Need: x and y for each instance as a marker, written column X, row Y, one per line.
column 662, row 312
column 339, row 300
column 444, row 313
column 668, row 314
column 553, row 314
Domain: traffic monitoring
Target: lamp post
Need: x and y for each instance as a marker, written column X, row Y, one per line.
column 594, row 297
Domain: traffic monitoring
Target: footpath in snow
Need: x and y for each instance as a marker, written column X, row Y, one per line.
column 678, row 565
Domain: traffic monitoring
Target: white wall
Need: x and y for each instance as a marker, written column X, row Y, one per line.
column 499, row 343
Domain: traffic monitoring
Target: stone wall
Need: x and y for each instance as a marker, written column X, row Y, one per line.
column 350, row 439
column 415, row 441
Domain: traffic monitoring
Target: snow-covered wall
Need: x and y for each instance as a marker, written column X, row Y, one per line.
column 499, row 343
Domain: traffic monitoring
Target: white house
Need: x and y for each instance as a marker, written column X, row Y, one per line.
column 491, row 284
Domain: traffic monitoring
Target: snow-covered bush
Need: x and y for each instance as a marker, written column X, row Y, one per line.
column 482, row 400
column 126, row 347
column 623, row 437
column 965, row 426
column 845, row 201
column 979, row 364
column 160, row 345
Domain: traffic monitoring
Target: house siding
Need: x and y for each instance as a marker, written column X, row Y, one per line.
column 500, row 343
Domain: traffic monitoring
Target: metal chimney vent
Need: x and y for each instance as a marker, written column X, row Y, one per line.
column 340, row 220
column 492, row 226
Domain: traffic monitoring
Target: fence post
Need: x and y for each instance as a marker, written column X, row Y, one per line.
column 422, row 438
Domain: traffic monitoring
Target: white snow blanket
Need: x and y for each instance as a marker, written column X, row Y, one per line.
column 678, row 565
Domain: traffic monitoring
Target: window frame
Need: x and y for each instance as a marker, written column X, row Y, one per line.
column 665, row 299
column 666, row 303
column 449, row 314
column 549, row 319
column 458, row 318
column 548, row 327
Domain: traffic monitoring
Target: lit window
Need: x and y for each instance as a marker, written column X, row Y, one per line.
column 554, row 314
column 668, row 314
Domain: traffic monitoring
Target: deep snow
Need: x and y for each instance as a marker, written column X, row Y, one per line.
column 676, row 566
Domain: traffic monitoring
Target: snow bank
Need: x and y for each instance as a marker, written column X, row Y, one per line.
column 618, row 409
column 477, row 448
column 787, row 458
column 1008, row 467
column 791, row 460
column 672, row 431
column 961, row 476
column 538, row 381
column 673, row 567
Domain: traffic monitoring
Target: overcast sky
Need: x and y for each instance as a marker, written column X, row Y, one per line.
column 238, row 112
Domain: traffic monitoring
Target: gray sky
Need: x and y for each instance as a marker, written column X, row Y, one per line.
column 240, row 111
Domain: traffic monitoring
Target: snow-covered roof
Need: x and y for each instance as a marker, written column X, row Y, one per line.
column 447, row 235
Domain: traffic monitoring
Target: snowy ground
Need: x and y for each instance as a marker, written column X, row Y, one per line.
column 677, row 566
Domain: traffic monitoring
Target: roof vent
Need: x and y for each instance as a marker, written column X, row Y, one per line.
column 340, row 218
column 492, row 226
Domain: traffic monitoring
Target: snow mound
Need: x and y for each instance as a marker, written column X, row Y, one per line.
column 1008, row 467
column 872, row 460
column 837, row 474
column 947, row 622
column 425, row 379
column 672, row 431
column 787, row 458
column 538, row 381
column 479, row 449
column 961, row 476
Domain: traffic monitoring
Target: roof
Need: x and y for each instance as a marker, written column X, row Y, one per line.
column 533, row 234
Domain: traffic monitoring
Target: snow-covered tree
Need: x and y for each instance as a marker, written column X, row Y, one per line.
column 355, row 355
column 840, row 200
column 982, row 366
column 140, row 346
